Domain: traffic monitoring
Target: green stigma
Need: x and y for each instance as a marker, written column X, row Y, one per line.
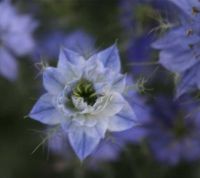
column 85, row 90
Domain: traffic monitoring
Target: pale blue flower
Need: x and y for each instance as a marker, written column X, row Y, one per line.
column 15, row 38
column 85, row 97
column 110, row 148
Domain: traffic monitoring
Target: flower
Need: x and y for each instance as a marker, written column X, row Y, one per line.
column 110, row 148
column 85, row 97
column 174, row 131
column 180, row 47
column 15, row 38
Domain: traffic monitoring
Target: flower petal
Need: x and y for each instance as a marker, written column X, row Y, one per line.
column 119, row 83
column 53, row 80
column 8, row 65
column 83, row 140
column 70, row 64
column 45, row 112
column 109, row 57
column 67, row 55
column 113, row 105
column 177, row 61
column 123, row 120
column 188, row 81
column 177, row 37
column 186, row 5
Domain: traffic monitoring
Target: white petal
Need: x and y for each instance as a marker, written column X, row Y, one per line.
column 45, row 112
column 70, row 56
column 79, row 103
column 114, row 104
column 119, row 83
column 53, row 80
column 102, row 126
column 70, row 64
column 123, row 120
column 93, row 69
column 109, row 57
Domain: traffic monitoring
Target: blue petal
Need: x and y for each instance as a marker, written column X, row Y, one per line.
column 119, row 83
column 8, row 65
column 123, row 120
column 45, row 112
column 83, row 140
column 53, row 80
column 186, row 5
column 177, row 61
column 109, row 57
column 170, row 39
column 188, row 81
column 176, row 37
column 67, row 55
column 70, row 64
column 114, row 105
column 198, row 75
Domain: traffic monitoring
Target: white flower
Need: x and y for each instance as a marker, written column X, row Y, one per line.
column 85, row 97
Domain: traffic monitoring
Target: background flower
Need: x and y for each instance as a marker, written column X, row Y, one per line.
column 77, row 40
column 15, row 38
column 174, row 131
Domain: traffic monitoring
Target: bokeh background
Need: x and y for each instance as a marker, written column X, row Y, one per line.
column 94, row 25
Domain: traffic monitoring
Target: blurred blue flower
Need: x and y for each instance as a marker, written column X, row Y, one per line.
column 8, row 64
column 79, row 41
column 85, row 97
column 174, row 131
column 15, row 38
column 139, row 19
column 138, row 52
column 139, row 16
column 180, row 47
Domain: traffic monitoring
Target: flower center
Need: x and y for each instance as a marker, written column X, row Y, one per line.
column 85, row 90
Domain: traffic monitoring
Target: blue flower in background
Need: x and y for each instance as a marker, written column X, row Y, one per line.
column 138, row 16
column 138, row 52
column 139, row 19
column 180, row 47
column 78, row 40
column 174, row 132
column 85, row 97
column 15, row 38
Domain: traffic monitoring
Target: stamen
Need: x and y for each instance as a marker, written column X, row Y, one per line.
column 85, row 90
